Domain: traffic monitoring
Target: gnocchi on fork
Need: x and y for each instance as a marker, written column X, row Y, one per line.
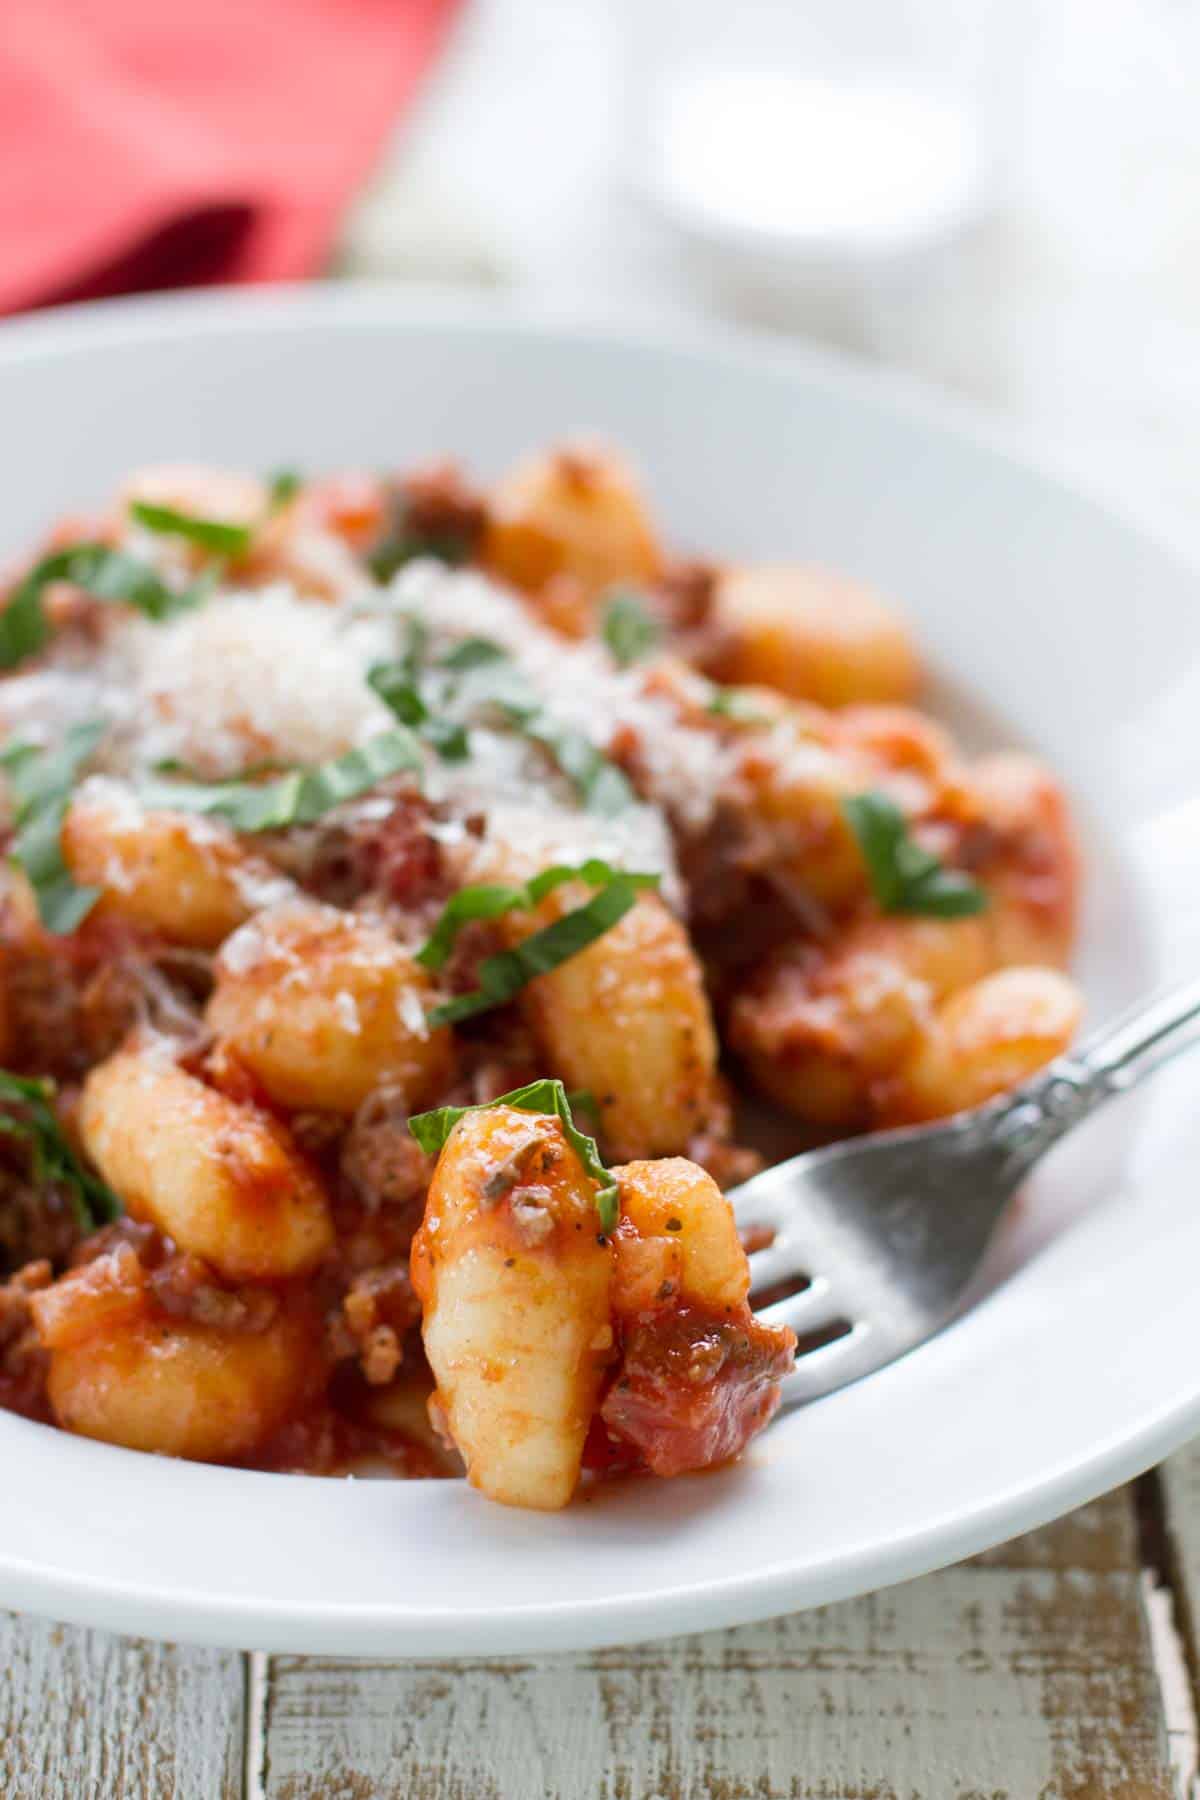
column 560, row 1340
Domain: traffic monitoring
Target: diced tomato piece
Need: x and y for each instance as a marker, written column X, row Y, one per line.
column 691, row 1390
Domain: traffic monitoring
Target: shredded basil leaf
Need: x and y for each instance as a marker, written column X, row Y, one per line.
column 472, row 653
column 399, row 685
column 601, row 786
column 41, row 783
column 53, row 1159
column 297, row 798
column 508, row 971
column 736, row 704
column 103, row 572
column 494, row 680
column 905, row 877
column 448, row 739
column 432, row 1130
column 416, row 650
column 209, row 534
column 396, row 686
column 486, row 901
column 628, row 627
column 282, row 485
column 583, row 1100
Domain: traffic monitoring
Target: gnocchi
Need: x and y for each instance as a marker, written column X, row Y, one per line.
column 186, row 878
column 407, row 882
column 129, row 1373
column 324, row 1007
column 574, row 514
column 543, row 1333
column 221, row 1179
column 627, row 1020
column 812, row 635
column 513, row 1278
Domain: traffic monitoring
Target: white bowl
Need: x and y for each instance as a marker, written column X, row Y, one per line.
column 1073, row 629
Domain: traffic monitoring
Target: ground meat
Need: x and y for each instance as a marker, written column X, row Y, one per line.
column 391, row 854
column 318, row 1134
column 381, row 1160
column 376, row 1314
column 37, row 1221
column 328, row 1442
column 149, row 1245
column 714, row 1149
column 185, row 1287
column 431, row 512
column 72, row 1004
column 688, row 589
column 477, row 939
column 23, row 1362
column 497, row 1054
column 687, row 596
column 43, row 1006
column 180, row 1285
column 691, row 1390
column 727, row 865
column 163, row 988
column 727, row 1163
column 442, row 509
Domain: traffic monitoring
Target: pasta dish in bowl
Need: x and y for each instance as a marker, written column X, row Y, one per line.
column 406, row 881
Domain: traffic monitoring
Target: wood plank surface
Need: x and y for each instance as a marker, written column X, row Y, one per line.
column 86, row 1716
column 1180, row 1481
column 1025, row 1675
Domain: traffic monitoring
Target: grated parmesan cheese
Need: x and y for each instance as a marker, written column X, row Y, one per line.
column 577, row 683
column 249, row 677
column 273, row 676
column 347, row 1011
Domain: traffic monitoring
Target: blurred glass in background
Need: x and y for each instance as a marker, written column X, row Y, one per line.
column 1002, row 196
column 810, row 156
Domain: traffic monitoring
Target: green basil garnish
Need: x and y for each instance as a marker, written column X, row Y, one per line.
column 485, row 901
column 101, row 571
column 282, row 485
column 218, row 535
column 472, row 653
column 905, row 877
column 628, row 627
column 53, row 1159
column 601, row 786
column 432, row 1129
column 41, row 782
column 496, row 681
column 504, row 975
column 297, row 798
column 736, row 704
column 400, row 685
column 395, row 684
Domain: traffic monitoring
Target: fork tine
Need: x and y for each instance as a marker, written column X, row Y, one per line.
column 817, row 1305
column 775, row 1262
column 834, row 1365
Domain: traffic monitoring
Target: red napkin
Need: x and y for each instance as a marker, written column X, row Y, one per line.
column 155, row 143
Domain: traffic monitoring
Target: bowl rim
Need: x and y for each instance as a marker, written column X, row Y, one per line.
column 233, row 1620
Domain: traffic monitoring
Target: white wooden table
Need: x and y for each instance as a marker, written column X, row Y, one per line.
column 1050, row 1669
column 1060, row 1667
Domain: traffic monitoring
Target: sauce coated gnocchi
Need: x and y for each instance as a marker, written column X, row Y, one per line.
column 406, row 880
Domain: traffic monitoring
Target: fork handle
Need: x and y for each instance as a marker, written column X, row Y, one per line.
column 1112, row 1060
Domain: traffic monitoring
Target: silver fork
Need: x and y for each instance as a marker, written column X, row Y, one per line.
column 891, row 1230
